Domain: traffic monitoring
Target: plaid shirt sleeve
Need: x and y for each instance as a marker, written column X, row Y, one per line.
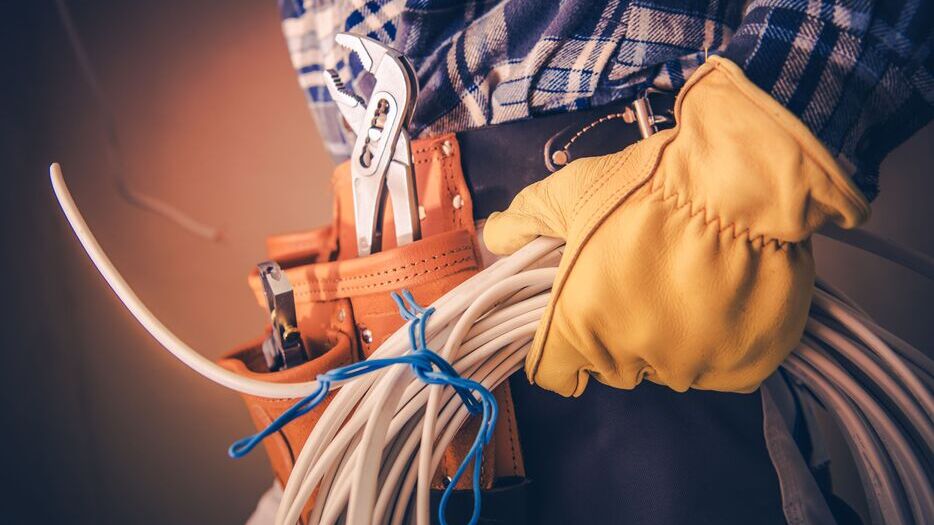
column 857, row 73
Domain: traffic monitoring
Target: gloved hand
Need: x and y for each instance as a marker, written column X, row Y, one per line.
column 688, row 260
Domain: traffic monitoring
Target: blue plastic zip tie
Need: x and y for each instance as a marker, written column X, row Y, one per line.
column 430, row 368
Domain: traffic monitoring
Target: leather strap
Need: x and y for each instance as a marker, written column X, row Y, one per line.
column 499, row 161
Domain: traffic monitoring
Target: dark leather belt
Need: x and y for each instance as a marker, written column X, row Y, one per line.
column 499, row 161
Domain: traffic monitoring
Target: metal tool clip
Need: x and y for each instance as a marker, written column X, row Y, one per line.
column 643, row 115
column 639, row 112
column 382, row 154
column 284, row 347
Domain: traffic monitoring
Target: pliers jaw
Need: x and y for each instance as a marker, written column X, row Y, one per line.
column 381, row 157
column 351, row 107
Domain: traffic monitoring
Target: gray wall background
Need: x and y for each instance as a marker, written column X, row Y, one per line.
column 99, row 424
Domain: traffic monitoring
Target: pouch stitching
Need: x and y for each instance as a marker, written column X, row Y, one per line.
column 430, row 147
column 510, row 415
column 429, row 158
column 384, row 283
column 448, row 177
column 452, row 251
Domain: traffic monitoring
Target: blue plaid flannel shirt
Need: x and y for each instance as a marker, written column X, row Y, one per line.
column 857, row 73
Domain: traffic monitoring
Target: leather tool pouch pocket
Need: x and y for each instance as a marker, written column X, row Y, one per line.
column 344, row 309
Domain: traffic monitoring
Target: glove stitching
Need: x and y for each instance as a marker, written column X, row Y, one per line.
column 759, row 241
column 345, row 289
column 536, row 354
column 598, row 184
column 619, row 195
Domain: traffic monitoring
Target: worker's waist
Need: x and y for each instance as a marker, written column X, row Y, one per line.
column 499, row 161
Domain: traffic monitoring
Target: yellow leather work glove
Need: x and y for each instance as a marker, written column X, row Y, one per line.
column 688, row 260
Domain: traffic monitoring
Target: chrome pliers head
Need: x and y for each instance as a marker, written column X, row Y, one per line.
column 382, row 155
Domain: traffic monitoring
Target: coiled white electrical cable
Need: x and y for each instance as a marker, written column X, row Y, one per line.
column 383, row 435
column 892, row 465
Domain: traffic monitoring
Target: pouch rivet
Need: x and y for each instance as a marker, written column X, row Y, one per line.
column 447, row 149
column 366, row 335
column 458, row 202
column 422, row 213
column 341, row 315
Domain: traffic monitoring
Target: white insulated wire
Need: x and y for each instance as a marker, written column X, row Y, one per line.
column 851, row 320
column 382, row 437
column 907, row 467
column 150, row 322
column 864, row 240
column 859, row 356
column 875, row 468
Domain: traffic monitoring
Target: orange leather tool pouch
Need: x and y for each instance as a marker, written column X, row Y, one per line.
column 344, row 309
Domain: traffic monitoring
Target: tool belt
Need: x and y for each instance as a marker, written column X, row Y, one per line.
column 344, row 312
column 342, row 302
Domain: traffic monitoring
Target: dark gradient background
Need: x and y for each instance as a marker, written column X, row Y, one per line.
column 99, row 425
